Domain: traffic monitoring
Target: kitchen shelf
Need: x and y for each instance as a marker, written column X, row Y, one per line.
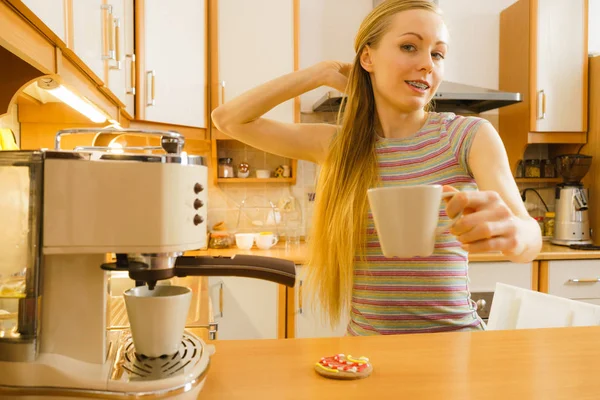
column 538, row 180
column 255, row 180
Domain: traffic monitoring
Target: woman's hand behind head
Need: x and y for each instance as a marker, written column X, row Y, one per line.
column 335, row 74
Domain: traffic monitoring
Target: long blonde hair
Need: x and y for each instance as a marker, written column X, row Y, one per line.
column 341, row 206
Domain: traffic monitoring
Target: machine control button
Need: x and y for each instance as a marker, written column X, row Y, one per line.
column 198, row 188
column 198, row 203
column 198, row 219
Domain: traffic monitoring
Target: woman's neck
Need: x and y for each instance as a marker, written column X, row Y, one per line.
column 397, row 125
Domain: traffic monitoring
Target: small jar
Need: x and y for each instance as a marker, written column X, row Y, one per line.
column 540, row 221
column 547, row 169
column 225, row 168
column 532, row 168
column 220, row 240
column 286, row 171
column 549, row 224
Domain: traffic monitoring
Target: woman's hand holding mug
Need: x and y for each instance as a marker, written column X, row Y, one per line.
column 486, row 224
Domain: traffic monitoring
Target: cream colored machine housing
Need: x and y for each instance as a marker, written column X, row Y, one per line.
column 122, row 207
column 84, row 214
column 93, row 206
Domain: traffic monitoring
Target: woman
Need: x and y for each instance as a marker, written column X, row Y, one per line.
column 387, row 137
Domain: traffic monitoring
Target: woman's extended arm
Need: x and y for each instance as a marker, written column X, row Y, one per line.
column 495, row 218
column 241, row 119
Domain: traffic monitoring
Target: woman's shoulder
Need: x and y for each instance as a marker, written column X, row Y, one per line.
column 449, row 119
column 456, row 124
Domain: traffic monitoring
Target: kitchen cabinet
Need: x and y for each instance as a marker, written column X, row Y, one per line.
column 560, row 105
column 121, row 68
column 52, row 13
column 244, row 308
column 543, row 56
column 309, row 321
column 483, row 276
column 171, row 47
column 92, row 32
column 573, row 279
column 253, row 47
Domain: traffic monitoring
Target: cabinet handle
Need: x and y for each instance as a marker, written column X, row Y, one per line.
column 541, row 105
column 212, row 327
column 108, row 31
column 152, row 75
column 117, row 44
column 131, row 90
column 584, row 280
column 222, row 84
column 221, row 300
column 300, row 298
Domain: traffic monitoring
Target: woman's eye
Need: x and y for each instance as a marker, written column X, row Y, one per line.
column 408, row 47
column 438, row 56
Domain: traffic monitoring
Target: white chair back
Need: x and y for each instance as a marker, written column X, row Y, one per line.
column 518, row 308
column 540, row 310
column 505, row 307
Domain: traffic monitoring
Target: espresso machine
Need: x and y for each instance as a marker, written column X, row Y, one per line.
column 62, row 213
column 572, row 226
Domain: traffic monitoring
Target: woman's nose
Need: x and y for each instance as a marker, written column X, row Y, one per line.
column 426, row 62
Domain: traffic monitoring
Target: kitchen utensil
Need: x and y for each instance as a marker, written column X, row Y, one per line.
column 263, row 173
column 571, row 223
column 61, row 346
column 244, row 241
column 406, row 218
column 157, row 318
column 265, row 241
column 258, row 214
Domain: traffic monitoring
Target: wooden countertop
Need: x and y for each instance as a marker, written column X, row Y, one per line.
column 297, row 253
column 544, row 364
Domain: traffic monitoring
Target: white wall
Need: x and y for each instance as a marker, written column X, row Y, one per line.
column 594, row 26
column 474, row 27
column 327, row 31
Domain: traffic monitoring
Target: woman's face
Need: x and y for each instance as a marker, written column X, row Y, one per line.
column 407, row 65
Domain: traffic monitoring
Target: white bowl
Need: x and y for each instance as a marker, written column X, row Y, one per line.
column 263, row 173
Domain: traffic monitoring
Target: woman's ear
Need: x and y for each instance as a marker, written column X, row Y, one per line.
column 365, row 59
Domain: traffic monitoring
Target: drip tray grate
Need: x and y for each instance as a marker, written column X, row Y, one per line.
column 139, row 367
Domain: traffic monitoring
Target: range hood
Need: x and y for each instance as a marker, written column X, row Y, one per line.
column 450, row 96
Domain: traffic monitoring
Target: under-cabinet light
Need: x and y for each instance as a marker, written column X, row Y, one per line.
column 79, row 104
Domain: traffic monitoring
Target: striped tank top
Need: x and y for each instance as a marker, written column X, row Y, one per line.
column 428, row 294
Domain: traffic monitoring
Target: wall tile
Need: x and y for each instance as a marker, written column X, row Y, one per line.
column 225, row 199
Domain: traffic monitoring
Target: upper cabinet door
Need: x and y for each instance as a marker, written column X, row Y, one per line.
column 52, row 13
column 121, row 68
column 90, row 34
column 174, row 74
column 559, row 102
column 256, row 44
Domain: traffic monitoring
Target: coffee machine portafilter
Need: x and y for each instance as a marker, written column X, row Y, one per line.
column 71, row 209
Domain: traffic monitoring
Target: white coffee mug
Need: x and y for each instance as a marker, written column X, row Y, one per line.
column 244, row 241
column 265, row 242
column 157, row 318
column 406, row 218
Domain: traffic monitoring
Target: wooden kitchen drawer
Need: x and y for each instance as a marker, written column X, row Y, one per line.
column 483, row 276
column 560, row 276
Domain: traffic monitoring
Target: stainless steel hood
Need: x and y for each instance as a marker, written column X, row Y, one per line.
column 453, row 97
